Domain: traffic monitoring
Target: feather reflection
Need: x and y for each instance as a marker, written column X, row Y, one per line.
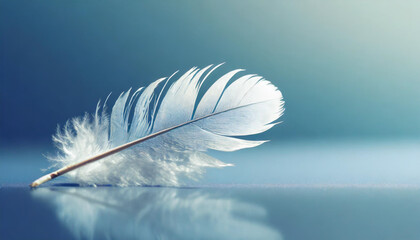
column 155, row 213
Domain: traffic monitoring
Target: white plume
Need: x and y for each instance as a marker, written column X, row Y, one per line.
column 248, row 105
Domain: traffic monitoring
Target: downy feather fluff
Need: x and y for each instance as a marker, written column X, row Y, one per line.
column 248, row 105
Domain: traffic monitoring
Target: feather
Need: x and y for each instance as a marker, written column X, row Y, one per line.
column 165, row 133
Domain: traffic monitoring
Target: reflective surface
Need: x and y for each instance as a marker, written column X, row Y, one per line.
column 61, row 212
column 321, row 191
column 359, row 162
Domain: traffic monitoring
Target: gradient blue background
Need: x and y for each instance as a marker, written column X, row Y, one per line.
column 349, row 72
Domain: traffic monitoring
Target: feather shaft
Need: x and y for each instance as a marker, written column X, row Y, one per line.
column 69, row 168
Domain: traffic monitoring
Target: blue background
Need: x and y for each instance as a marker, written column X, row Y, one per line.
column 349, row 72
column 344, row 164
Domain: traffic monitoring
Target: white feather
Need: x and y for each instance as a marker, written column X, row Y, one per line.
column 249, row 105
